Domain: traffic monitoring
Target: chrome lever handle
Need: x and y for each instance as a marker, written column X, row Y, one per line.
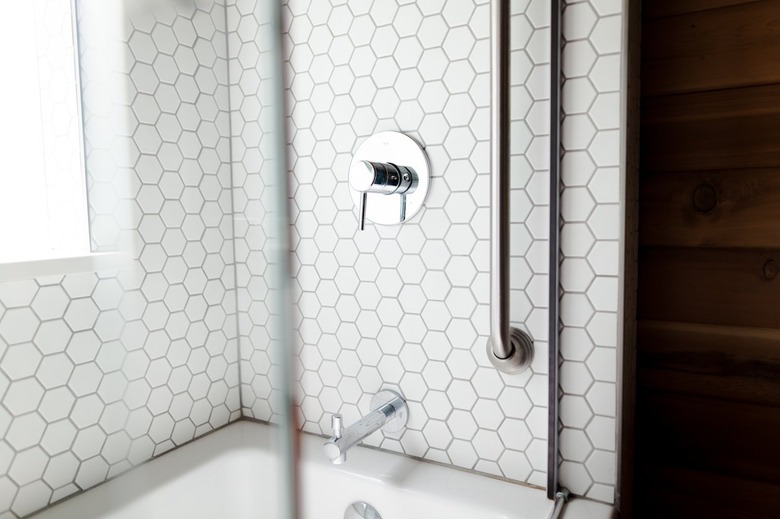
column 362, row 211
column 388, row 163
column 337, row 424
column 382, row 178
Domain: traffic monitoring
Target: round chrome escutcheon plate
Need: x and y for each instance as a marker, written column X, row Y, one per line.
column 401, row 150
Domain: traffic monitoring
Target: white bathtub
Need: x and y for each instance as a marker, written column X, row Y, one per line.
column 231, row 474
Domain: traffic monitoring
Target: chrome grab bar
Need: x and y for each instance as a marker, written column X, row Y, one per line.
column 510, row 349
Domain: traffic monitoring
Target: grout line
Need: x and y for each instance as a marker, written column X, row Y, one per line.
column 233, row 209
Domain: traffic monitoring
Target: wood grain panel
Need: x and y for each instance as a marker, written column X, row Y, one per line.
column 759, row 101
column 712, row 435
column 714, row 49
column 709, row 72
column 659, row 8
column 747, row 142
column 732, row 363
column 747, row 28
column 745, row 215
column 715, row 286
column 708, row 335
column 712, row 130
column 672, row 492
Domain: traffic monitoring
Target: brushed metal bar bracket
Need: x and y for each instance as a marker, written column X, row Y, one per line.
column 509, row 349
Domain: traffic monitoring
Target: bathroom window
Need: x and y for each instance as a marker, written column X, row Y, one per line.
column 43, row 195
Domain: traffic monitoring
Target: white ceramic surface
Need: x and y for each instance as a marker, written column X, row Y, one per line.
column 232, row 474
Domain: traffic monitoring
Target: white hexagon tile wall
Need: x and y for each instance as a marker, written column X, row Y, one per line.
column 101, row 371
column 402, row 306
column 407, row 306
column 591, row 244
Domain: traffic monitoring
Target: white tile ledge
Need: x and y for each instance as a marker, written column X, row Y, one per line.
column 90, row 262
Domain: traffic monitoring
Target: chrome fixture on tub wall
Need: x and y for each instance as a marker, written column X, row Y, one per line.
column 389, row 179
column 389, row 412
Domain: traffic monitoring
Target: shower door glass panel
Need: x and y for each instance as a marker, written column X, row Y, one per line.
column 107, row 366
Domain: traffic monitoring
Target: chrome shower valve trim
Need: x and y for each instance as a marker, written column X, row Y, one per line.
column 389, row 178
column 385, row 178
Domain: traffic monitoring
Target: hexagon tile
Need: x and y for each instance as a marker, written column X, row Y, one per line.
column 399, row 306
column 101, row 371
column 591, row 210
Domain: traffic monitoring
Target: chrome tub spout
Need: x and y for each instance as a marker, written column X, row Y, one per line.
column 389, row 413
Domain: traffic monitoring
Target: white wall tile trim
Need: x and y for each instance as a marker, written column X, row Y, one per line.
column 593, row 202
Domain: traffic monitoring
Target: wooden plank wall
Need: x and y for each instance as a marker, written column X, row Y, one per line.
column 708, row 333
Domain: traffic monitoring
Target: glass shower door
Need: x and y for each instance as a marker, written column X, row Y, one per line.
column 263, row 230
column 128, row 338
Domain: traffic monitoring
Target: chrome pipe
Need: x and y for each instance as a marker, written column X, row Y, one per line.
column 560, row 501
column 510, row 350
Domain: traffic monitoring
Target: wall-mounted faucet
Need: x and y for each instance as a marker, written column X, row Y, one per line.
column 389, row 413
column 389, row 179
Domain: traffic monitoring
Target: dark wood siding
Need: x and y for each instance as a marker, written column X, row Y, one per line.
column 707, row 441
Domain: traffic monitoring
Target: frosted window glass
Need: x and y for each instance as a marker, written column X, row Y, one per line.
column 43, row 206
